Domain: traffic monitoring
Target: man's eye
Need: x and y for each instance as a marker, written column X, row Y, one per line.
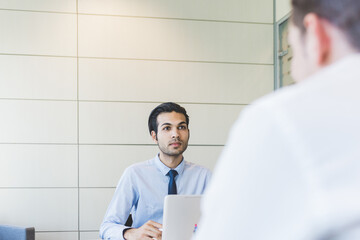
column 166, row 128
column 182, row 128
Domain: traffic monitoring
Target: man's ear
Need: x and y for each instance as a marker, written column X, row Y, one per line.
column 154, row 136
column 317, row 39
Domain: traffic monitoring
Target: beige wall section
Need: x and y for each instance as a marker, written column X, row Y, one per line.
column 29, row 121
column 93, row 205
column 103, row 165
column 45, row 209
column 78, row 79
column 39, row 78
column 34, row 165
column 185, row 40
column 120, row 81
column 40, row 5
column 89, row 235
column 108, row 122
column 229, row 10
column 283, row 7
column 58, row 236
column 38, row 33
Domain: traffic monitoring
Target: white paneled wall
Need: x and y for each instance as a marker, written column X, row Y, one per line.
column 78, row 79
column 120, row 81
column 257, row 11
column 29, row 121
column 47, row 209
column 93, row 205
column 38, row 33
column 283, row 7
column 58, row 236
column 35, row 165
column 68, row 6
column 108, row 122
column 39, row 78
column 103, row 165
column 174, row 39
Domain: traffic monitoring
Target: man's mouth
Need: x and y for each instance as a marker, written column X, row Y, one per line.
column 175, row 144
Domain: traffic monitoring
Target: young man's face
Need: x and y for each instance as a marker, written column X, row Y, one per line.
column 173, row 133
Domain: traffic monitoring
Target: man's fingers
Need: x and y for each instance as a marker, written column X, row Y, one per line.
column 155, row 224
column 152, row 234
column 152, row 231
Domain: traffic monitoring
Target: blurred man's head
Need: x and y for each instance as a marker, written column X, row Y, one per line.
column 322, row 32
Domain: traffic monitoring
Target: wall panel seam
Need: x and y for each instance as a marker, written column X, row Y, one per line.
column 35, row 55
column 120, row 101
column 274, row 45
column 136, row 59
column 176, row 60
column 59, row 231
column 135, row 16
column 173, row 18
column 43, row 188
column 39, row 143
column 156, row 102
column 105, row 144
column 36, row 99
column 36, row 11
column 78, row 115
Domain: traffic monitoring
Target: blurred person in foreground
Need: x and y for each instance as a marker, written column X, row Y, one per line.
column 291, row 167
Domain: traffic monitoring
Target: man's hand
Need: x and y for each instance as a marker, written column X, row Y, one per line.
column 150, row 230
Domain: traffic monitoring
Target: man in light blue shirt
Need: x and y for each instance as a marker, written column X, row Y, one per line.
column 143, row 186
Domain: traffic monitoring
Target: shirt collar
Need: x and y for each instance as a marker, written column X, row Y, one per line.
column 165, row 169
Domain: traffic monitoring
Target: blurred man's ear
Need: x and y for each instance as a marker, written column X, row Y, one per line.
column 154, row 136
column 318, row 42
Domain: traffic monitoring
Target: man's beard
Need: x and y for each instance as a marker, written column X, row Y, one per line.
column 175, row 152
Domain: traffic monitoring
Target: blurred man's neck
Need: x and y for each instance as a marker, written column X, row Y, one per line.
column 341, row 47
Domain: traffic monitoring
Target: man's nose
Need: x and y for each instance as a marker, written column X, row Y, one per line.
column 175, row 133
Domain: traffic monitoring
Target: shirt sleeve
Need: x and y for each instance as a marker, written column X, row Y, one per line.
column 119, row 208
column 256, row 191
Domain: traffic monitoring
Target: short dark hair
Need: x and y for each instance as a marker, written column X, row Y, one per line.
column 344, row 14
column 165, row 107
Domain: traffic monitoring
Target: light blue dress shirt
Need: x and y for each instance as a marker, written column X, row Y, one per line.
column 141, row 192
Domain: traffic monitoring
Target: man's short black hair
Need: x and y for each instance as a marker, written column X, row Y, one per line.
column 165, row 107
column 345, row 14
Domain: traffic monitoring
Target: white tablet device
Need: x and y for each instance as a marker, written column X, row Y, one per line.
column 181, row 216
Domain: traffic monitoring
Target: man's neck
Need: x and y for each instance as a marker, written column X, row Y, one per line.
column 343, row 48
column 170, row 161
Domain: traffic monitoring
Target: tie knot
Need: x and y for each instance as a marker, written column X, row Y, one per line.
column 172, row 173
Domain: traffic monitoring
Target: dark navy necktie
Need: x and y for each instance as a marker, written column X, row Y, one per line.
column 172, row 185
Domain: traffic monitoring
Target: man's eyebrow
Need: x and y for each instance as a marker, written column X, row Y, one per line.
column 180, row 123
